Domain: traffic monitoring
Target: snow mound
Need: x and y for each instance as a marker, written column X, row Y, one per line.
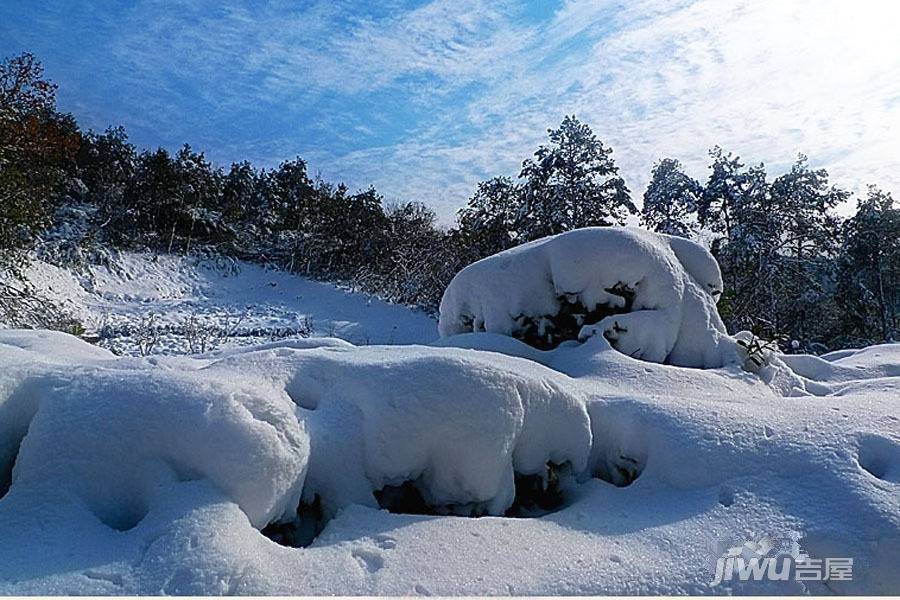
column 456, row 424
column 168, row 474
column 109, row 433
column 652, row 296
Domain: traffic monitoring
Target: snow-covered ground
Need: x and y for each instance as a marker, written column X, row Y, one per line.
column 172, row 304
column 150, row 475
column 269, row 469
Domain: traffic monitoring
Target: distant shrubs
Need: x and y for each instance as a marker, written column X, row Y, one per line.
column 22, row 307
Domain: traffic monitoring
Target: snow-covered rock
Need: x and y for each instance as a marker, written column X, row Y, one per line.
column 653, row 296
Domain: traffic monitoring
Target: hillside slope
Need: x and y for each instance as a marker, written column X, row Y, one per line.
column 224, row 304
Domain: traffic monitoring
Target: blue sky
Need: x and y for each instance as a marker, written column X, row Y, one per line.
column 423, row 99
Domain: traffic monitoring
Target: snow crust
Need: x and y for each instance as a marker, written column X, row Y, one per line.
column 155, row 475
column 667, row 285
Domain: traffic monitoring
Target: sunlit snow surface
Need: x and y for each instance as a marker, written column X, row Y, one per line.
column 154, row 475
column 667, row 285
column 251, row 303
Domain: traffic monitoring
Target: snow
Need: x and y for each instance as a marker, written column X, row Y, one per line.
column 662, row 289
column 234, row 302
column 379, row 415
column 111, row 451
column 155, row 474
column 598, row 464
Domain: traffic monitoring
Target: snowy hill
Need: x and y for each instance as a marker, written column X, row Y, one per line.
column 164, row 299
column 475, row 464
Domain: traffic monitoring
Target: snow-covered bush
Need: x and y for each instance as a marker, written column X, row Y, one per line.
column 22, row 306
column 112, row 439
column 653, row 296
column 754, row 352
column 454, row 424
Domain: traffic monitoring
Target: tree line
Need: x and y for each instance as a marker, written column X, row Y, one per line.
column 793, row 269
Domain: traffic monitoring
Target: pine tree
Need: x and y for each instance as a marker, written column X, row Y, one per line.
column 869, row 289
column 736, row 205
column 573, row 182
column 293, row 195
column 200, row 195
column 244, row 196
column 670, row 200
column 488, row 223
column 803, row 202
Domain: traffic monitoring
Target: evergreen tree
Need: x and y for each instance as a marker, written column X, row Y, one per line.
column 292, row 196
column 489, row 221
column 573, row 182
column 869, row 290
column 200, row 195
column 150, row 201
column 670, row 200
column 803, row 202
column 245, row 199
column 736, row 205
column 106, row 163
column 343, row 231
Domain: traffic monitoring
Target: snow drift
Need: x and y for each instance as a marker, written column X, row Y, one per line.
column 653, row 296
column 108, row 434
column 456, row 424
column 157, row 475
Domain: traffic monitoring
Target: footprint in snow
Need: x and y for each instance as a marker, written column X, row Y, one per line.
column 370, row 556
column 880, row 457
column 369, row 559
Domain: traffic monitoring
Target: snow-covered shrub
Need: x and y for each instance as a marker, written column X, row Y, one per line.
column 452, row 425
column 147, row 334
column 652, row 296
column 205, row 334
column 755, row 352
column 22, row 306
column 116, row 437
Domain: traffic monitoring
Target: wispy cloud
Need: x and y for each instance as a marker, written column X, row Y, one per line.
column 423, row 100
column 767, row 80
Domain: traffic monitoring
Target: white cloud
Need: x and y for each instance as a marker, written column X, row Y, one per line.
column 764, row 79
